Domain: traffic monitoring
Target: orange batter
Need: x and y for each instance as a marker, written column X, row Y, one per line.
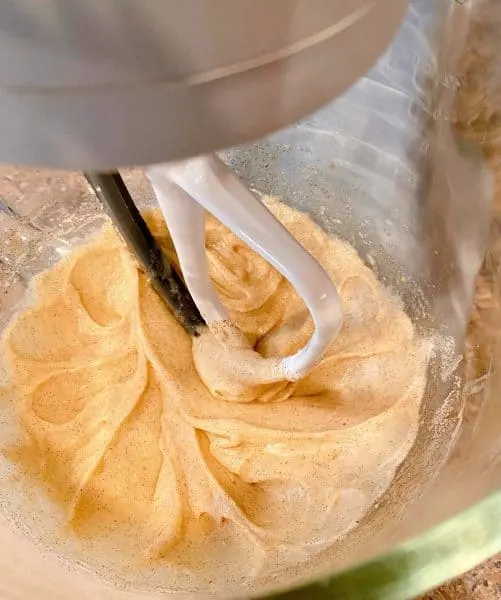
column 119, row 426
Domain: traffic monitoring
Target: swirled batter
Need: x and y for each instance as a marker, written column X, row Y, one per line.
column 119, row 426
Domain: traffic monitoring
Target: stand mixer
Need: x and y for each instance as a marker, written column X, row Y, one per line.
column 93, row 88
column 145, row 88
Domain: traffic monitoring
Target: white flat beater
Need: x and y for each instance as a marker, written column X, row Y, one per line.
column 183, row 190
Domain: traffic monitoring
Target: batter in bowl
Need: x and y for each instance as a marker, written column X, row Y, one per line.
column 118, row 426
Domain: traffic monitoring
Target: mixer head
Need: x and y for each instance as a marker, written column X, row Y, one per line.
column 92, row 85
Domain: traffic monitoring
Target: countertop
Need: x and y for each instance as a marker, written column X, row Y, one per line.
column 481, row 583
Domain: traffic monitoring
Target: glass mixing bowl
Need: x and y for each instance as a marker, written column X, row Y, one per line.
column 382, row 167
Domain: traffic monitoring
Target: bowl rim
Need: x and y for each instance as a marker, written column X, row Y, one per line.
column 420, row 564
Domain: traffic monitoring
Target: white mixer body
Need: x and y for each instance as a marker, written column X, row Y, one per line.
column 88, row 84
